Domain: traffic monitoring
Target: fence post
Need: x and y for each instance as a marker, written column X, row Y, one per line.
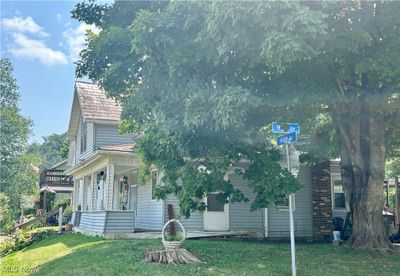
column 60, row 219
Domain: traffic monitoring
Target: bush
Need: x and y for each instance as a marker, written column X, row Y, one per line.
column 30, row 211
column 22, row 239
column 50, row 197
column 5, row 214
column 68, row 213
column 64, row 203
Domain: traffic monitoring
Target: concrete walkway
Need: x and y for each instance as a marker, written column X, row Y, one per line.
column 157, row 235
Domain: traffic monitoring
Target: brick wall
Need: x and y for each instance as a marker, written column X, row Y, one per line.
column 322, row 202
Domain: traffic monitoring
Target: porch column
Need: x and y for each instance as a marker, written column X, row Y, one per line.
column 94, row 191
column 75, row 197
column 109, row 187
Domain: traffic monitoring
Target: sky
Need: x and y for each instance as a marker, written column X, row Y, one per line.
column 43, row 41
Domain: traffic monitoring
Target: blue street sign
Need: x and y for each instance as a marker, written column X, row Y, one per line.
column 276, row 128
column 288, row 138
column 293, row 127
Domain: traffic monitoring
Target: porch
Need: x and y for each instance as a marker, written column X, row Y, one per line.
column 105, row 194
column 121, row 224
column 114, row 223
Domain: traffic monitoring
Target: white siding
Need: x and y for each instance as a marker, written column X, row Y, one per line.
column 120, row 222
column 108, row 135
column 278, row 220
column 194, row 223
column 93, row 221
column 240, row 216
column 149, row 212
column 80, row 156
column 71, row 153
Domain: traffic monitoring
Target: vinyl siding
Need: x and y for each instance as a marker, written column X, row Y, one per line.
column 278, row 220
column 240, row 216
column 93, row 221
column 194, row 223
column 120, row 221
column 80, row 156
column 73, row 218
column 71, row 153
column 149, row 212
column 108, row 135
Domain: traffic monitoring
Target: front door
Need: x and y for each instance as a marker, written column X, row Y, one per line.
column 216, row 215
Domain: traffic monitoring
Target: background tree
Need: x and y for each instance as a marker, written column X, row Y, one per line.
column 17, row 176
column 54, row 149
column 204, row 80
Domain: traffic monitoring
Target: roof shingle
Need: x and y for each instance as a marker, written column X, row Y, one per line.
column 95, row 104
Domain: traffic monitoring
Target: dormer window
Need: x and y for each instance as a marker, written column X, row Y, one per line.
column 83, row 136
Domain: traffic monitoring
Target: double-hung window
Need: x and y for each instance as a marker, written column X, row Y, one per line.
column 338, row 199
column 83, row 136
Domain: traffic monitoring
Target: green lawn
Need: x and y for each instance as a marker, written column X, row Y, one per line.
column 81, row 255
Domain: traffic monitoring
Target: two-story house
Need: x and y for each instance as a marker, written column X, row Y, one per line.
column 109, row 202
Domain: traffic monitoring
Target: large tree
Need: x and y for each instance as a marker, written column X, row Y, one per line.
column 203, row 80
column 17, row 176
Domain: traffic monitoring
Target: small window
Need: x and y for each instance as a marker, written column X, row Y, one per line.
column 213, row 204
column 284, row 205
column 83, row 136
column 154, row 183
column 338, row 198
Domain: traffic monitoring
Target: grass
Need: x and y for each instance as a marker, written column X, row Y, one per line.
column 80, row 255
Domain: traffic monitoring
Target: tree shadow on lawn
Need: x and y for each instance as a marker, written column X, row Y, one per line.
column 124, row 257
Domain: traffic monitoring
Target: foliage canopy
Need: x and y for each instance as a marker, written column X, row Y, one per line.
column 202, row 81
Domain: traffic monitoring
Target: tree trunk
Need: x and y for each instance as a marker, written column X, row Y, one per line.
column 362, row 141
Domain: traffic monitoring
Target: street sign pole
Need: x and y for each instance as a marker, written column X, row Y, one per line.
column 292, row 241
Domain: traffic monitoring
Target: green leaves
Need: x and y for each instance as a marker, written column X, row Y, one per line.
column 17, row 177
column 202, row 80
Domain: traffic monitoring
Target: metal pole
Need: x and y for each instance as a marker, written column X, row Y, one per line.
column 292, row 240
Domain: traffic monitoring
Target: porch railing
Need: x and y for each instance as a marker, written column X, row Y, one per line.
column 51, row 177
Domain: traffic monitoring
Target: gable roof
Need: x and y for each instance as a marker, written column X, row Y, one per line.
column 91, row 102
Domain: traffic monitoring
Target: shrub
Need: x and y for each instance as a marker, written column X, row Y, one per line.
column 68, row 213
column 64, row 203
column 5, row 214
column 30, row 211
column 22, row 239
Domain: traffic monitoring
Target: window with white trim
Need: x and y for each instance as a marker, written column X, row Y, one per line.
column 83, row 136
column 338, row 199
column 284, row 205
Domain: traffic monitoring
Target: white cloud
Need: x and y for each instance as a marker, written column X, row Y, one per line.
column 59, row 17
column 75, row 38
column 23, row 25
column 36, row 49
